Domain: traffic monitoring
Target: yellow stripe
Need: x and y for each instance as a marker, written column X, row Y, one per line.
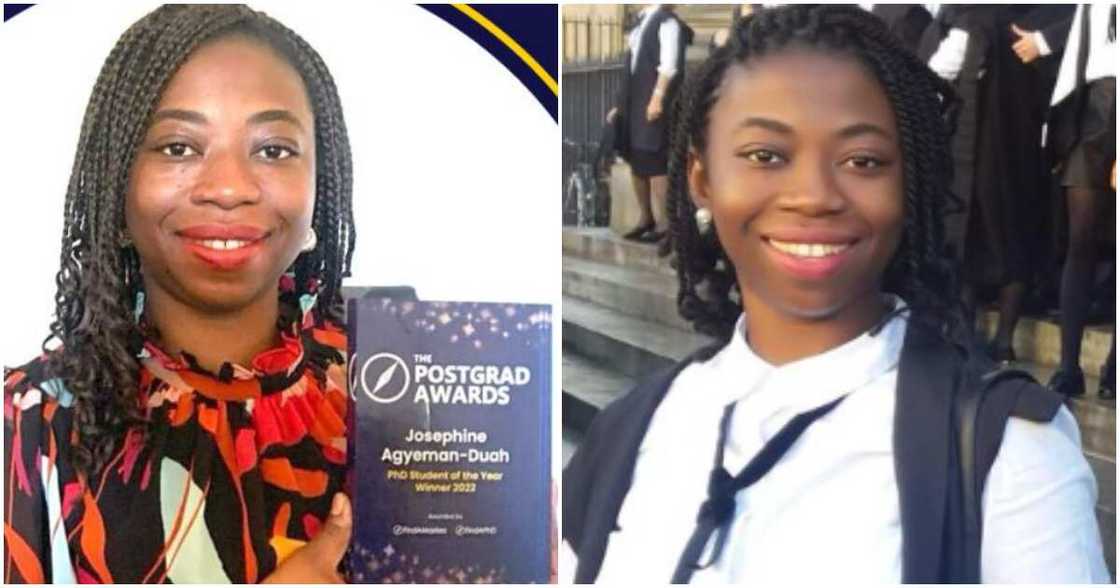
column 512, row 44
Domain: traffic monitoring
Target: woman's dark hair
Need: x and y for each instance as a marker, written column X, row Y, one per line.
column 99, row 279
column 921, row 271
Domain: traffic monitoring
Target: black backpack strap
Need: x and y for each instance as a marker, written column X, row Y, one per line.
column 929, row 370
column 988, row 397
column 966, row 408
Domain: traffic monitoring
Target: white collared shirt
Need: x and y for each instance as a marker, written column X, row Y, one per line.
column 1101, row 62
column 829, row 510
column 1102, row 58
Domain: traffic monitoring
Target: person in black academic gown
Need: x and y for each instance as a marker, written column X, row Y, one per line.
column 644, row 106
column 906, row 21
column 999, row 166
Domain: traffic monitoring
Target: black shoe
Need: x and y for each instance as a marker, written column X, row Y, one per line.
column 1068, row 383
column 1000, row 353
column 665, row 247
column 637, row 232
column 651, row 236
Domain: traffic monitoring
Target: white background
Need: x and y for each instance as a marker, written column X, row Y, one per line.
column 454, row 160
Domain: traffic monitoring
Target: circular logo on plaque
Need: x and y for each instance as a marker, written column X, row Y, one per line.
column 392, row 378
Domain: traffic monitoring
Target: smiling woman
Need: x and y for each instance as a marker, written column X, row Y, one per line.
column 221, row 194
column 191, row 425
column 806, row 196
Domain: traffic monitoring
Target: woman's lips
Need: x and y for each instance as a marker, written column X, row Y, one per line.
column 812, row 260
column 224, row 247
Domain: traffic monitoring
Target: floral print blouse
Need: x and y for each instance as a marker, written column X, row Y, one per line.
column 237, row 469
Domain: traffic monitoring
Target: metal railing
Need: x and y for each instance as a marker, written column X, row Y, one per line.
column 589, row 91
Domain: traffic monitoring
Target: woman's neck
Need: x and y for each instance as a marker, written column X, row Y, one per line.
column 779, row 336
column 213, row 338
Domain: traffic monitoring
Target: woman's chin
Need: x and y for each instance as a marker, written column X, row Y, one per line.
column 813, row 305
column 226, row 296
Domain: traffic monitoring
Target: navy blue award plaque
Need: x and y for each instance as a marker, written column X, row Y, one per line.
column 450, row 441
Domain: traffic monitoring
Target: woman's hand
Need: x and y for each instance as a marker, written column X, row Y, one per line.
column 653, row 109
column 1025, row 47
column 611, row 114
column 317, row 562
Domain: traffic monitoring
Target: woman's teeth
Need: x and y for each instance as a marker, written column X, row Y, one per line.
column 220, row 244
column 808, row 249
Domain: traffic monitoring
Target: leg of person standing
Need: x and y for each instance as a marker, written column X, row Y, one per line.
column 1077, row 280
column 1010, row 306
column 642, row 195
column 1086, row 178
column 659, row 189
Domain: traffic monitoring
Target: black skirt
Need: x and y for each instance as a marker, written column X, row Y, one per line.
column 1090, row 163
column 648, row 163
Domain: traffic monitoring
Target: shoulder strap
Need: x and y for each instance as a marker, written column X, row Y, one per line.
column 929, row 371
column 943, row 387
column 990, row 395
column 966, row 407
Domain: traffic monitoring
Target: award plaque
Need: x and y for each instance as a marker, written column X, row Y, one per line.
column 450, row 441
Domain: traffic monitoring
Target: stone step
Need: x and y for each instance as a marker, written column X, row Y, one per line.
column 624, row 344
column 1039, row 340
column 645, row 294
column 605, row 246
column 587, row 388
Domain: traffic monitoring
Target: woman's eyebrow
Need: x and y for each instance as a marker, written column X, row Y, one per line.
column 766, row 123
column 275, row 115
column 864, row 128
column 190, row 116
column 847, row 132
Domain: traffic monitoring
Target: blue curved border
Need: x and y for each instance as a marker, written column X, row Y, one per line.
column 533, row 26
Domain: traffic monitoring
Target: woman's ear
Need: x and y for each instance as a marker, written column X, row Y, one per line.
column 697, row 180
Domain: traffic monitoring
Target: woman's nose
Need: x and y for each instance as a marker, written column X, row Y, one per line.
column 814, row 190
column 226, row 180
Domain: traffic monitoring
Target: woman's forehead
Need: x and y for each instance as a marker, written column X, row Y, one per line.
column 237, row 71
column 803, row 85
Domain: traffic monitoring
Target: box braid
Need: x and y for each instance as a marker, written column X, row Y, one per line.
column 99, row 279
column 921, row 271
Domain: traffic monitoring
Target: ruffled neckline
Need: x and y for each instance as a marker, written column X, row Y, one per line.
column 306, row 342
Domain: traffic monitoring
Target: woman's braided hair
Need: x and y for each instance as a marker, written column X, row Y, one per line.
column 921, row 271
column 99, row 279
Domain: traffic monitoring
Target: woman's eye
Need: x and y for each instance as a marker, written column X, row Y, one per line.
column 276, row 152
column 763, row 157
column 178, row 150
column 864, row 162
